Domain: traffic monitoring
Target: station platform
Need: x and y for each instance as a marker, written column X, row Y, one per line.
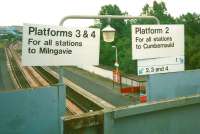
column 99, row 86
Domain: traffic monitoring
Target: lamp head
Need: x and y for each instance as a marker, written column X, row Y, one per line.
column 108, row 33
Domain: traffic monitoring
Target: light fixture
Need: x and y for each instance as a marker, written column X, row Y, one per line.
column 108, row 34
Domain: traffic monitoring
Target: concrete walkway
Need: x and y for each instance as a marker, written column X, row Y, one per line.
column 97, row 85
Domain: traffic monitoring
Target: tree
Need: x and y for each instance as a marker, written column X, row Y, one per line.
column 158, row 10
column 191, row 22
column 112, row 10
column 123, row 39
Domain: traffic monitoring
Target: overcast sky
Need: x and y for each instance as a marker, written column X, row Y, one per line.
column 50, row 12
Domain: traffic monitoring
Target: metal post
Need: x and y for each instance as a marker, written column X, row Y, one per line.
column 108, row 122
column 107, row 17
column 116, row 55
column 61, row 81
column 116, row 64
column 109, row 21
column 61, row 99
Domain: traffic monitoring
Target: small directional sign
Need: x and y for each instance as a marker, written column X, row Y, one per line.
column 160, row 65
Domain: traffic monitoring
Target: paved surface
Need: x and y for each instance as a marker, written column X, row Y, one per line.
column 5, row 79
column 96, row 85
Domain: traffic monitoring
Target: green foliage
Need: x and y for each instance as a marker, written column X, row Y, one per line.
column 192, row 36
column 7, row 39
column 192, row 52
column 158, row 10
column 191, row 22
column 112, row 10
column 123, row 39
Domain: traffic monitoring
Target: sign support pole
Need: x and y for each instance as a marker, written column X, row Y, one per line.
column 61, row 81
column 61, row 97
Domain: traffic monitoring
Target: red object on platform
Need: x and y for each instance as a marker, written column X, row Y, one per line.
column 143, row 98
column 135, row 89
column 116, row 76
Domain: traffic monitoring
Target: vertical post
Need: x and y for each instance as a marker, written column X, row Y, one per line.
column 62, row 94
column 108, row 122
column 148, row 87
column 116, row 55
column 61, row 99
column 120, row 81
column 113, row 78
column 109, row 20
column 61, row 75
column 61, row 125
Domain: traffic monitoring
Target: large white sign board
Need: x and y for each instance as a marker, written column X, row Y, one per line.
column 154, row 41
column 160, row 65
column 55, row 45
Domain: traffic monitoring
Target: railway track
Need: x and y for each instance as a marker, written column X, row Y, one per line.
column 48, row 77
column 16, row 71
column 78, row 100
column 84, row 102
column 35, row 77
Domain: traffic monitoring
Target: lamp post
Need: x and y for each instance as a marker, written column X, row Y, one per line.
column 116, row 73
column 116, row 57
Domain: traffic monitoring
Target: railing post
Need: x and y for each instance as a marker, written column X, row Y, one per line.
column 108, row 123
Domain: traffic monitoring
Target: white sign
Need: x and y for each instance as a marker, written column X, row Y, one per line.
column 154, row 41
column 55, row 45
column 160, row 65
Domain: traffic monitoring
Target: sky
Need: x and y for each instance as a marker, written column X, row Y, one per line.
column 50, row 12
